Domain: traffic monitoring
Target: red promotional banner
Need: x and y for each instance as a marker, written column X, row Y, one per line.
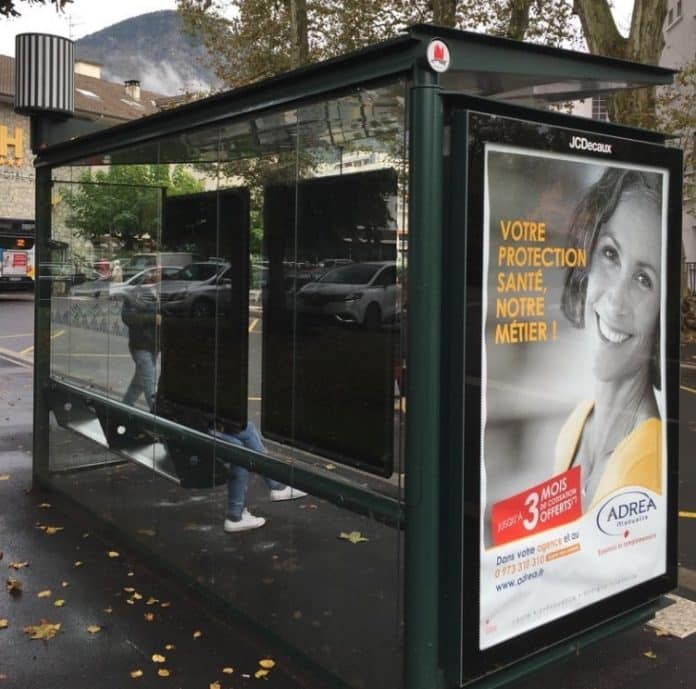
column 549, row 504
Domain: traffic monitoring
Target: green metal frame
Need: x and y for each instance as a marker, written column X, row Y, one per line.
column 425, row 500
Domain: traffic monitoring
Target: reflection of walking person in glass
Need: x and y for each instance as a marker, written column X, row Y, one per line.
column 238, row 518
column 143, row 320
column 616, row 438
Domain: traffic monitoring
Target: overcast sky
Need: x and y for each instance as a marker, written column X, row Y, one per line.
column 80, row 18
column 84, row 17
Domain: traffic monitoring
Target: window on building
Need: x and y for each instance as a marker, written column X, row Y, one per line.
column 679, row 8
column 670, row 17
column 599, row 108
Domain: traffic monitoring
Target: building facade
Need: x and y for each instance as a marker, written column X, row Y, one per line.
column 95, row 99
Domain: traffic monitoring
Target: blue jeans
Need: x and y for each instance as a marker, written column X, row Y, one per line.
column 143, row 378
column 238, row 477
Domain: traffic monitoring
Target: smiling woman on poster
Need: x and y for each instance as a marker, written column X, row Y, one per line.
column 616, row 437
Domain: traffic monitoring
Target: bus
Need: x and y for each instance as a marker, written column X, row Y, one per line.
column 17, row 264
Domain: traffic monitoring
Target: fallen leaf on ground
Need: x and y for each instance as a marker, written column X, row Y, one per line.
column 14, row 587
column 353, row 537
column 78, row 563
column 44, row 594
column 113, row 553
column 149, row 616
column 59, row 603
column 170, row 647
column 267, row 663
column 128, row 589
column 163, row 672
column 260, row 673
column 4, row 477
column 227, row 670
column 166, row 604
column 157, row 658
column 45, row 630
column 147, row 532
column 45, row 505
column 137, row 596
column 108, row 611
column 661, row 632
column 197, row 634
column 65, row 584
column 136, row 673
column 94, row 629
column 50, row 530
column 4, row 624
column 214, row 685
column 649, row 654
column 151, row 601
column 18, row 565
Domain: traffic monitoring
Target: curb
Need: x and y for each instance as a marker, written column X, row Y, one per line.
column 16, row 358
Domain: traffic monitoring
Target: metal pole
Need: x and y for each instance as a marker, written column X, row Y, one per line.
column 42, row 323
column 421, row 663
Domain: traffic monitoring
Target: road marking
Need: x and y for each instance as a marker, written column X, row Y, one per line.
column 57, row 334
column 79, row 354
column 252, row 325
column 254, row 399
column 5, row 337
column 26, row 351
column 688, row 515
column 688, row 389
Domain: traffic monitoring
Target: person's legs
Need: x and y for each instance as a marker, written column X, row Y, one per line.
column 143, row 380
column 251, row 439
column 237, row 483
column 237, row 517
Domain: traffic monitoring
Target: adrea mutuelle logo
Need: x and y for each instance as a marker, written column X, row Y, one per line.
column 623, row 511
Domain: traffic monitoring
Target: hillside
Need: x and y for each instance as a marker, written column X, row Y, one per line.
column 152, row 48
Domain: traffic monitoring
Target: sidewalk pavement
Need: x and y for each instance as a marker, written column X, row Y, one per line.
column 117, row 614
column 121, row 617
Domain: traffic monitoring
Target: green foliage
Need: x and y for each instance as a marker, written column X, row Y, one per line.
column 125, row 201
column 8, row 7
column 253, row 39
column 676, row 113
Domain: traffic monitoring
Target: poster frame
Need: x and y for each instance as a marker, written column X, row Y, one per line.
column 464, row 660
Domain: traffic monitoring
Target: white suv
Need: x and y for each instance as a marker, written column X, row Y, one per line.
column 362, row 293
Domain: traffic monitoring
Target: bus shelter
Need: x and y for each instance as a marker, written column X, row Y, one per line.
column 429, row 290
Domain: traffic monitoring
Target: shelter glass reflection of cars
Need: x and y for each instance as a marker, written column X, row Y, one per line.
column 363, row 293
column 197, row 290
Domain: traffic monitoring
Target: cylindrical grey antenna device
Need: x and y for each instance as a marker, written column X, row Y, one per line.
column 44, row 74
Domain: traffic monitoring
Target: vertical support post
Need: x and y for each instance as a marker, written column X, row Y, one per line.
column 42, row 323
column 422, row 575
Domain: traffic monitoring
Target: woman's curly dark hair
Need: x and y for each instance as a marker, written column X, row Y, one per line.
column 594, row 210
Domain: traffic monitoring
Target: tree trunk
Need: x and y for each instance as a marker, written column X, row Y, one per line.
column 644, row 44
column 519, row 19
column 445, row 12
column 298, row 30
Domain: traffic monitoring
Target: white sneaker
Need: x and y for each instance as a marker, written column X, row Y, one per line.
column 287, row 493
column 246, row 523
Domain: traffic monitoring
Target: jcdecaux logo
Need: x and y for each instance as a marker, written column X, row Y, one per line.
column 582, row 144
column 623, row 511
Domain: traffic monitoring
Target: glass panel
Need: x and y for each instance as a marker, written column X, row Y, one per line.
column 236, row 227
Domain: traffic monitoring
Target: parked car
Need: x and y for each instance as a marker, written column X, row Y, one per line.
column 144, row 277
column 195, row 290
column 138, row 262
column 97, row 286
column 362, row 293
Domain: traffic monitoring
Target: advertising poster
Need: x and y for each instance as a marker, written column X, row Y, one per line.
column 573, row 441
